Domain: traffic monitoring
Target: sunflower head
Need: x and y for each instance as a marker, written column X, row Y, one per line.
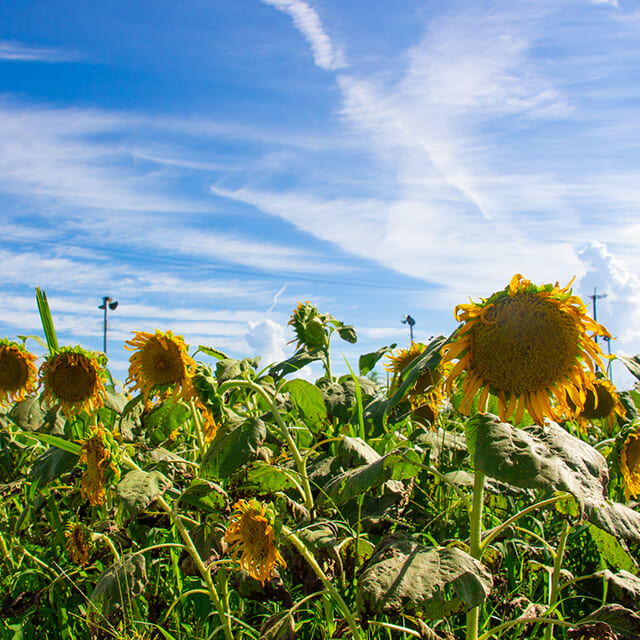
column 532, row 346
column 309, row 326
column 73, row 379
column 99, row 453
column 601, row 403
column 251, row 535
column 79, row 543
column 630, row 464
column 160, row 361
column 18, row 373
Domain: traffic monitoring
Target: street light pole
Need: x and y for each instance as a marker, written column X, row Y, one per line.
column 410, row 321
column 594, row 297
column 107, row 303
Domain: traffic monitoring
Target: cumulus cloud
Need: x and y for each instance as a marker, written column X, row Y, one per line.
column 267, row 339
column 619, row 311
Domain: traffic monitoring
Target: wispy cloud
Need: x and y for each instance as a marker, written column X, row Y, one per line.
column 18, row 52
column 306, row 20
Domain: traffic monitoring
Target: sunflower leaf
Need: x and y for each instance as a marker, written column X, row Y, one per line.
column 551, row 459
column 120, row 584
column 138, row 489
column 205, row 495
column 405, row 577
column 368, row 361
column 296, row 362
column 614, row 551
column 308, row 400
column 52, row 464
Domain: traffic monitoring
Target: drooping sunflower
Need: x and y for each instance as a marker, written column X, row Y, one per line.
column 17, row 372
column 427, row 394
column 251, row 535
column 73, row 379
column 160, row 361
column 532, row 346
column 98, row 453
column 79, row 543
column 630, row 464
column 602, row 403
column 309, row 326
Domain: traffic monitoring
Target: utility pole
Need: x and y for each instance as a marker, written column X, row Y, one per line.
column 595, row 297
column 107, row 303
column 410, row 321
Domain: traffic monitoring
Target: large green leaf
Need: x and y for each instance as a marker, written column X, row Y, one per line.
column 614, row 551
column 232, row 447
column 165, row 419
column 228, row 369
column 551, row 459
column 308, row 400
column 368, row 361
column 206, row 496
column 297, row 361
column 120, row 584
column 52, row 464
column 271, row 478
column 28, row 414
column 625, row 587
column 138, row 489
column 405, row 577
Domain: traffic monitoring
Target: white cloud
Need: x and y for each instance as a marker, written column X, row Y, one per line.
column 17, row 52
column 267, row 340
column 306, row 20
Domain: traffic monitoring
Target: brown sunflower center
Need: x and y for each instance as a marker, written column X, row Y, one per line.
column 254, row 534
column 14, row 370
column 632, row 453
column 525, row 344
column 606, row 403
column 162, row 362
column 73, row 378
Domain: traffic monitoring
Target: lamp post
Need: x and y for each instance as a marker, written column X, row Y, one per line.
column 595, row 297
column 107, row 303
column 410, row 321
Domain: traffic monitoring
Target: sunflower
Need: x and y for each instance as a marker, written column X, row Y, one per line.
column 526, row 344
column 251, row 534
column 99, row 455
column 79, row 543
column 601, row 403
column 73, row 379
column 309, row 326
column 160, row 361
column 17, row 372
column 427, row 394
column 630, row 464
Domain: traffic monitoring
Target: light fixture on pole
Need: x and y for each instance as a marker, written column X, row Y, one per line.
column 107, row 303
column 410, row 321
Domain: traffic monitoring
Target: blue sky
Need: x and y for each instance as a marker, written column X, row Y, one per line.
column 208, row 164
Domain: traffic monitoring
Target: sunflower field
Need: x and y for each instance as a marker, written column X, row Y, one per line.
column 486, row 489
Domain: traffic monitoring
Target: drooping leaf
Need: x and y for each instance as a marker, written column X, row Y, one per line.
column 206, row 496
column 214, row 353
column 620, row 619
column 279, row 626
column 613, row 550
column 348, row 333
column 28, row 414
column 625, row 587
column 368, row 361
column 138, row 489
column 232, row 447
column 229, row 368
column 355, row 451
column 162, row 421
column 549, row 458
column 271, row 478
column 120, row 584
column 308, row 400
column 52, row 464
column 296, row 362
column 405, row 577
column 632, row 364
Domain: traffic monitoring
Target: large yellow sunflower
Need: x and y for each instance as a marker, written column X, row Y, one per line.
column 72, row 379
column 160, row 361
column 530, row 346
column 250, row 533
column 630, row 465
column 98, row 454
column 427, row 394
column 17, row 372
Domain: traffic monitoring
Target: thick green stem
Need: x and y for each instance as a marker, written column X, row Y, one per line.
column 300, row 464
column 328, row 585
column 555, row 576
column 197, row 427
column 475, row 542
column 204, row 572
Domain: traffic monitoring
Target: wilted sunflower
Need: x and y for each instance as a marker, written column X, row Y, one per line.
column 250, row 533
column 79, row 543
column 308, row 325
column 427, row 394
column 17, row 372
column 526, row 344
column 160, row 360
column 72, row 379
column 630, row 465
column 98, row 453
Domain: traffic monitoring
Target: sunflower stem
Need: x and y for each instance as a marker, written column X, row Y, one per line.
column 300, row 463
column 555, row 576
column 328, row 585
column 204, row 572
column 475, row 547
column 197, row 426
